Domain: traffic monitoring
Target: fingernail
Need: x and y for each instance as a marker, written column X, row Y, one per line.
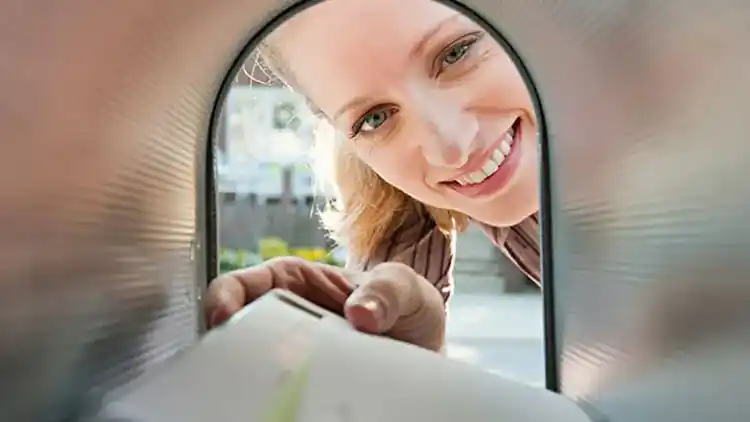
column 374, row 306
column 217, row 317
column 366, row 315
column 371, row 304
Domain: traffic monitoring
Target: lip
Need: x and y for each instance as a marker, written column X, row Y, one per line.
column 475, row 163
column 502, row 176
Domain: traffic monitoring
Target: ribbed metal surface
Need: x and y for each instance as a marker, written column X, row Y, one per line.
column 646, row 103
column 104, row 116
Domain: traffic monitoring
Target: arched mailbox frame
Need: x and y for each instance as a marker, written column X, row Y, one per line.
column 550, row 344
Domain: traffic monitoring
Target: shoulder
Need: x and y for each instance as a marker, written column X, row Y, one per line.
column 420, row 244
column 416, row 242
column 520, row 243
column 528, row 229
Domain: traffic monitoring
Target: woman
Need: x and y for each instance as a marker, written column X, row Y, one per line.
column 433, row 130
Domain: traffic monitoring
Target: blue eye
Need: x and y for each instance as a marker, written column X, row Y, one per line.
column 456, row 53
column 373, row 120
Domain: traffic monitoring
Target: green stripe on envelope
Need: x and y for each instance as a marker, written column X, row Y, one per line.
column 285, row 405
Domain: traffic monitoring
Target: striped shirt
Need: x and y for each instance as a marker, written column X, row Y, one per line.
column 422, row 246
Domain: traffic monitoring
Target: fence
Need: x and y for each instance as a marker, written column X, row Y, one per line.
column 243, row 222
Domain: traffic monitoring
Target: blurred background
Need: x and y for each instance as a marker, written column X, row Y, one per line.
column 267, row 202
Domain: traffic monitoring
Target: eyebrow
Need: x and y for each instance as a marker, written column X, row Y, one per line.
column 420, row 46
column 418, row 49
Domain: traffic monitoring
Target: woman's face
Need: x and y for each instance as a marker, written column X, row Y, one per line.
column 426, row 98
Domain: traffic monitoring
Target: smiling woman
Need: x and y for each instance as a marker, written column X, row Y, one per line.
column 425, row 127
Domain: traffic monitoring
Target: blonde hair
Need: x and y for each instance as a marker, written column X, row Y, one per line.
column 365, row 210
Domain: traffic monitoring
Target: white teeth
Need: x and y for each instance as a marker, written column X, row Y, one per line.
column 492, row 164
column 499, row 155
column 504, row 147
column 477, row 177
column 489, row 167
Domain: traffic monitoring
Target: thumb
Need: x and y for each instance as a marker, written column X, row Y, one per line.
column 393, row 299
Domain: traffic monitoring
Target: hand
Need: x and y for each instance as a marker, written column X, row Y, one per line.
column 391, row 299
column 321, row 284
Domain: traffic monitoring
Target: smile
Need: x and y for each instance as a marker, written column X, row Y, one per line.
column 496, row 170
column 493, row 163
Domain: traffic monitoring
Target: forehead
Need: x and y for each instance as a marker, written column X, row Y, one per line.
column 339, row 49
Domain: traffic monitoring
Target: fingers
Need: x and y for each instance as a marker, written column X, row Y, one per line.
column 321, row 284
column 394, row 300
column 224, row 297
column 230, row 292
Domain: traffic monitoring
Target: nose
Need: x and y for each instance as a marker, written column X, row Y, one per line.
column 448, row 140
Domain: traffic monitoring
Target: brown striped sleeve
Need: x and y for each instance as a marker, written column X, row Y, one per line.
column 422, row 246
column 520, row 243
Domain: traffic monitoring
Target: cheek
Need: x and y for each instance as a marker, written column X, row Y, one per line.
column 397, row 167
column 504, row 82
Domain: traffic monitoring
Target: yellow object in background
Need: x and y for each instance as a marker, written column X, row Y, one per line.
column 318, row 254
column 304, row 253
column 272, row 247
column 310, row 254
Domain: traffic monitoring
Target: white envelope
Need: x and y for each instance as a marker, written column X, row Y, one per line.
column 283, row 359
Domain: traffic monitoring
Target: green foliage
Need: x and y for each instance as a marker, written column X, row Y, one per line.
column 268, row 248
column 230, row 260
column 272, row 247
